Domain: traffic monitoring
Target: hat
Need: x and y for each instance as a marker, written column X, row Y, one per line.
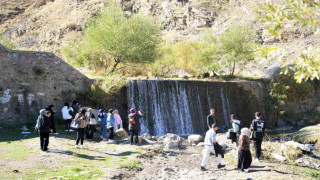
column 132, row 111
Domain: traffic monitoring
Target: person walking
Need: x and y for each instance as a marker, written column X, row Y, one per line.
column 53, row 112
column 244, row 154
column 102, row 118
column 212, row 146
column 111, row 123
column 44, row 124
column 67, row 113
column 211, row 119
column 134, row 125
column 81, row 117
column 118, row 120
column 76, row 107
column 236, row 127
column 91, row 125
column 257, row 127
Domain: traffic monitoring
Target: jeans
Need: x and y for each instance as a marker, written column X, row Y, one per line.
column 80, row 135
column 134, row 133
column 207, row 151
column 257, row 147
column 67, row 123
column 104, row 133
column 44, row 140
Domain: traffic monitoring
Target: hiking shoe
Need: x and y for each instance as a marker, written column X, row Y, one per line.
column 203, row 168
column 220, row 166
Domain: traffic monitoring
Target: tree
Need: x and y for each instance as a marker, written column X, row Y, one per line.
column 277, row 17
column 123, row 39
column 235, row 47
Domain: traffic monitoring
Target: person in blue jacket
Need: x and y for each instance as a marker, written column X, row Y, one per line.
column 111, row 123
column 102, row 118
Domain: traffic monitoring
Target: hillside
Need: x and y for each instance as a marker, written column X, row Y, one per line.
column 47, row 27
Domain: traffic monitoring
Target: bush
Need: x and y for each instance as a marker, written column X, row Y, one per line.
column 6, row 42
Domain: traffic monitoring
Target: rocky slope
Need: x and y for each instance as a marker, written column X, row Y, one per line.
column 47, row 27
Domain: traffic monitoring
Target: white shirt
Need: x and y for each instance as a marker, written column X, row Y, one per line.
column 210, row 138
column 65, row 112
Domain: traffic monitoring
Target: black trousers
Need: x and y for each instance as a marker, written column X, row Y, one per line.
column 80, row 136
column 134, row 133
column 90, row 129
column 67, row 123
column 53, row 126
column 257, row 147
column 111, row 135
column 44, row 140
column 244, row 159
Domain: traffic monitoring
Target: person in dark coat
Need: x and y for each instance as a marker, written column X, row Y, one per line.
column 244, row 154
column 134, row 125
column 44, row 129
column 53, row 112
column 258, row 128
column 75, row 106
column 211, row 119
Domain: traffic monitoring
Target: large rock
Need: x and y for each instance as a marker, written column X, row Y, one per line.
column 304, row 147
column 121, row 134
column 172, row 138
column 171, row 146
column 194, row 139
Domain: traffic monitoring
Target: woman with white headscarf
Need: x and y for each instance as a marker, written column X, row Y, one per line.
column 244, row 155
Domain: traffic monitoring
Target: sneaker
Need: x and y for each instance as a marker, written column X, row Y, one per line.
column 243, row 171
column 71, row 130
column 81, row 146
column 203, row 168
column 256, row 160
column 76, row 146
column 220, row 166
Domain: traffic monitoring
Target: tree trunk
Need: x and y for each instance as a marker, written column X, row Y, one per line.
column 233, row 68
column 116, row 62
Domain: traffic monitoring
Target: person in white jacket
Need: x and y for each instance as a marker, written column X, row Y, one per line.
column 210, row 142
column 67, row 112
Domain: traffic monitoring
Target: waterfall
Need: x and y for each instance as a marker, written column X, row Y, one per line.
column 181, row 107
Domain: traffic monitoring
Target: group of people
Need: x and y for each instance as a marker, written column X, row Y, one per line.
column 244, row 137
column 85, row 121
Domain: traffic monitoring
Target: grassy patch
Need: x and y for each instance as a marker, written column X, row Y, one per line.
column 132, row 164
column 305, row 172
column 310, row 134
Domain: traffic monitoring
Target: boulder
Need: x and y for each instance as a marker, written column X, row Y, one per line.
column 154, row 138
column 171, row 146
column 194, row 139
column 121, row 134
column 200, row 144
column 304, row 147
column 172, row 138
column 147, row 136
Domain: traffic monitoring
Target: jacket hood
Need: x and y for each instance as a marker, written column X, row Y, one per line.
column 43, row 112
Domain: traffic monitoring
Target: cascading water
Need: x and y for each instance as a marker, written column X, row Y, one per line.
column 181, row 107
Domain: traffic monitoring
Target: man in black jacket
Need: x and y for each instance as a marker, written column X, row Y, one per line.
column 44, row 130
column 257, row 128
column 211, row 119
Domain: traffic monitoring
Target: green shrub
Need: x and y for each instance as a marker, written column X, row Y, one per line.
column 7, row 42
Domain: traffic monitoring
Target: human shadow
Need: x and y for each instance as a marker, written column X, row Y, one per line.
column 126, row 153
column 84, row 156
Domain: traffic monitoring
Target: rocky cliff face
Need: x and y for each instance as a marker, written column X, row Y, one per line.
column 30, row 81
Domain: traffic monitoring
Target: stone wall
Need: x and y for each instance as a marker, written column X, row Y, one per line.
column 30, row 81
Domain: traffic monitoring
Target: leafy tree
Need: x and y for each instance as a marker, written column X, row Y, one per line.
column 235, row 47
column 277, row 17
column 112, row 38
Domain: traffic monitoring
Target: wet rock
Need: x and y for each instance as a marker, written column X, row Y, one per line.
column 194, row 139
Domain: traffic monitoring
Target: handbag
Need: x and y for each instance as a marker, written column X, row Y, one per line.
column 75, row 124
column 93, row 121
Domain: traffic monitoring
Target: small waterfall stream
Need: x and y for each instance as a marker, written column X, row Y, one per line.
column 181, row 107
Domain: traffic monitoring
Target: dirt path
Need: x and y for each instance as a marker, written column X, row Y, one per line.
column 100, row 160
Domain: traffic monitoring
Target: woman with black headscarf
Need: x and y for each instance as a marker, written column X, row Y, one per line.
column 53, row 126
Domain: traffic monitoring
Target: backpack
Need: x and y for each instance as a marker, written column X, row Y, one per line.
column 38, row 124
column 132, row 121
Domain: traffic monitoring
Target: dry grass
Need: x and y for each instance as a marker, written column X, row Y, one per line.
column 289, row 152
